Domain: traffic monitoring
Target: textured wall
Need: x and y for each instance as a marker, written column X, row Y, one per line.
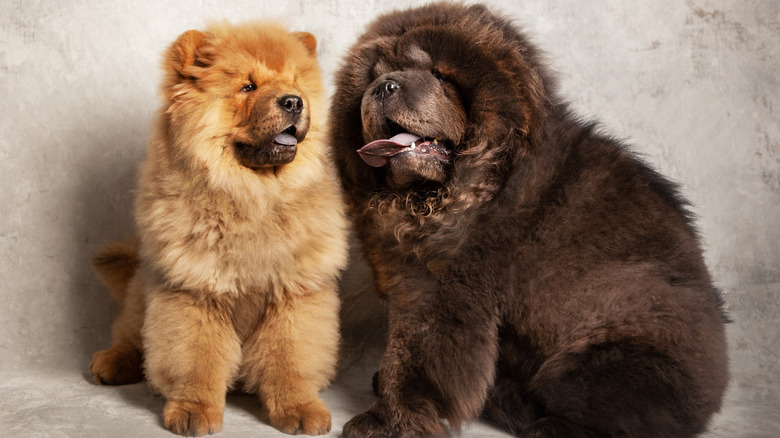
column 692, row 84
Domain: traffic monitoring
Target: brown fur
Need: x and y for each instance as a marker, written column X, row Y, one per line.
column 233, row 278
column 542, row 276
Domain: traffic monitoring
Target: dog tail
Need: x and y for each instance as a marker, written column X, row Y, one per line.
column 116, row 263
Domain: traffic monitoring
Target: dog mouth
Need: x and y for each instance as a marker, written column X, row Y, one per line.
column 280, row 150
column 378, row 152
column 286, row 137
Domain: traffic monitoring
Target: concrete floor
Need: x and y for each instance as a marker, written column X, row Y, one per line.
column 68, row 404
column 693, row 84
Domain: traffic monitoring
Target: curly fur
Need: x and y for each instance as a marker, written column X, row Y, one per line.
column 547, row 279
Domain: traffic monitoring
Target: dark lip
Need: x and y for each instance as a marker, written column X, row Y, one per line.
column 255, row 157
column 292, row 130
column 381, row 152
column 444, row 156
column 273, row 144
column 392, row 128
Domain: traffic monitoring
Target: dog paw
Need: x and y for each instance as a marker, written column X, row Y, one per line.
column 365, row 425
column 554, row 427
column 192, row 418
column 371, row 424
column 309, row 419
column 117, row 365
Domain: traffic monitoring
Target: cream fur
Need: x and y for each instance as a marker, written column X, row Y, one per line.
column 237, row 267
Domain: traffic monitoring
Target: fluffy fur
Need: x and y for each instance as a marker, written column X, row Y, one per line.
column 537, row 273
column 242, row 236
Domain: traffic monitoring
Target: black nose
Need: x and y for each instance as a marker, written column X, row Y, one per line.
column 291, row 104
column 386, row 88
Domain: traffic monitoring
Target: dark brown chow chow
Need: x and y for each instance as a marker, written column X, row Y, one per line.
column 537, row 273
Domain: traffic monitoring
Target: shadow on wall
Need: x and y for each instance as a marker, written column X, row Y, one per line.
column 363, row 313
column 103, row 211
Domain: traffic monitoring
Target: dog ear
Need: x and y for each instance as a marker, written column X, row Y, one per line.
column 185, row 58
column 308, row 40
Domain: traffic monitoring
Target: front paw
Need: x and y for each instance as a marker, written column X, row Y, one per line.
column 365, row 425
column 192, row 418
column 309, row 419
column 371, row 424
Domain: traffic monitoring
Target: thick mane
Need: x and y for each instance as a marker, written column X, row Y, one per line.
column 492, row 145
column 522, row 251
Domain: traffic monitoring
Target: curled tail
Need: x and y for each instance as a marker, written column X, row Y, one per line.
column 116, row 263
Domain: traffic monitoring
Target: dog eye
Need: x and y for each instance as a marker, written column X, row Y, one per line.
column 248, row 88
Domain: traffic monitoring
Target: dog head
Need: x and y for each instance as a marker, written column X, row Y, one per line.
column 440, row 96
column 240, row 96
column 412, row 118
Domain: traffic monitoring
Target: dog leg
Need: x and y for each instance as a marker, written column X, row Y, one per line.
column 439, row 363
column 192, row 356
column 121, row 363
column 615, row 389
column 290, row 357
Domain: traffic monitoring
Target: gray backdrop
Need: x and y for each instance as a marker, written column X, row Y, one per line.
column 692, row 84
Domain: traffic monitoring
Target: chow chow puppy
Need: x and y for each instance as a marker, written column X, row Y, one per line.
column 242, row 236
column 537, row 273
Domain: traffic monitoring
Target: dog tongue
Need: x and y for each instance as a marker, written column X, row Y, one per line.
column 377, row 152
column 286, row 139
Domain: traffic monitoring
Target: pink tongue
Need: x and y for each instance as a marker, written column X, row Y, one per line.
column 285, row 139
column 377, row 152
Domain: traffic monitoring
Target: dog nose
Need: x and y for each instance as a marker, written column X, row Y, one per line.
column 291, row 104
column 386, row 88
